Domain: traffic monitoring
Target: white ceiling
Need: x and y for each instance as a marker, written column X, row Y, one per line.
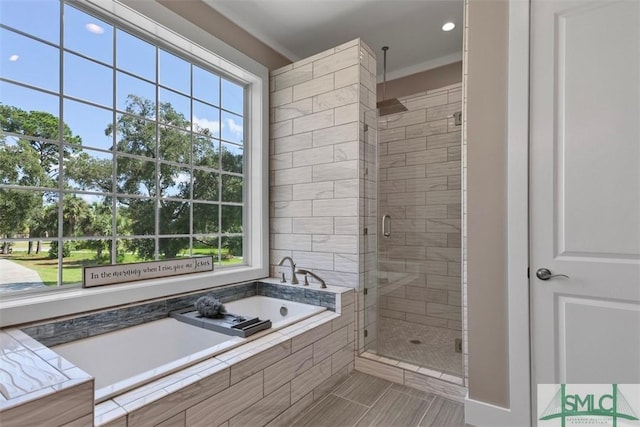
column 411, row 28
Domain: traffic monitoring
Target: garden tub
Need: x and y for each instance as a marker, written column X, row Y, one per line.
column 127, row 358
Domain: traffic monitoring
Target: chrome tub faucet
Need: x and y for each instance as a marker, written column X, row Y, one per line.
column 294, row 279
column 312, row 274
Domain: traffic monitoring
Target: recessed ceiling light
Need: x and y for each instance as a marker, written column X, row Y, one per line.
column 448, row 26
column 94, row 28
column 13, row 58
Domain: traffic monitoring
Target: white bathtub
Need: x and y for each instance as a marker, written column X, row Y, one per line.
column 127, row 358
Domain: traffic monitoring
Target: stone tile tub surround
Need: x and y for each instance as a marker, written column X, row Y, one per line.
column 69, row 329
column 326, row 341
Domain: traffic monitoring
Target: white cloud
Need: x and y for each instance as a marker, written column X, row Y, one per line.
column 212, row 125
column 94, row 28
column 234, row 128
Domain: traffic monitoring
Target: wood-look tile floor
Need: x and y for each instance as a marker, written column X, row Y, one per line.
column 365, row 400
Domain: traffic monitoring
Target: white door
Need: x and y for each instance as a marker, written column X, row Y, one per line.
column 585, row 191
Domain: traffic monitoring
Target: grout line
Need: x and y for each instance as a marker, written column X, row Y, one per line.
column 410, row 395
column 369, row 408
column 428, row 409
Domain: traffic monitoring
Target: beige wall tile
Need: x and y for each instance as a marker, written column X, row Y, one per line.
column 346, row 151
column 427, row 101
column 316, row 260
column 281, row 97
column 264, row 410
column 443, row 111
column 336, row 134
column 346, row 262
column 335, row 171
column 315, row 225
column 313, row 87
column 346, row 114
column 310, row 122
column 280, row 129
column 396, row 134
column 443, row 282
column 287, row 369
column 337, row 61
column 280, row 161
column 347, row 76
column 227, row 403
column 296, row 242
column 444, row 140
column 335, row 207
column 334, row 243
column 310, row 336
column 310, row 379
column 57, row 408
column 380, row 370
column 292, row 143
column 447, row 168
column 330, row 383
column 281, row 193
column 293, row 110
column 432, row 385
column 407, row 145
column 313, row 156
column 328, row 345
column 427, row 129
column 179, row 420
column 299, row 208
column 181, row 398
column 336, row 98
column 406, row 119
column 406, row 305
column 293, row 175
column 426, row 320
column 427, row 157
column 345, row 225
column 293, row 77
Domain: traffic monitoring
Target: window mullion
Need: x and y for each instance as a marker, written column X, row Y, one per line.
column 60, row 235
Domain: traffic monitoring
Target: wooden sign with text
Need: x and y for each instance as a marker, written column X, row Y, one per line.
column 113, row 274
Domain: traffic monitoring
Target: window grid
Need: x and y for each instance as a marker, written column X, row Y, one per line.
column 115, row 153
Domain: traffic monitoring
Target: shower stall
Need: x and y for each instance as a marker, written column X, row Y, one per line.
column 412, row 245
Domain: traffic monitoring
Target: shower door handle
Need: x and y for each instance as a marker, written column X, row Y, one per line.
column 386, row 225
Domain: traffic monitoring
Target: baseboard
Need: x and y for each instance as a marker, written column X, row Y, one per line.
column 480, row 414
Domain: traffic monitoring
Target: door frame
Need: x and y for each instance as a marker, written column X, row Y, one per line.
column 520, row 408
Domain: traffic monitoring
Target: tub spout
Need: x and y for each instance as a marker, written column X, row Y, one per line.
column 314, row 275
column 294, row 279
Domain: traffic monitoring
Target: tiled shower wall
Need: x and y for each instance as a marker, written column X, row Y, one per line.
column 317, row 113
column 419, row 187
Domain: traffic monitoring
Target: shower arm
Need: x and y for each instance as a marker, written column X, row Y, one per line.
column 384, row 72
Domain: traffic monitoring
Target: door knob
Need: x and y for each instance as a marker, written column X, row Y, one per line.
column 545, row 274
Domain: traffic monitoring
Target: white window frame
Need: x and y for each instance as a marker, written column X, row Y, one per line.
column 158, row 21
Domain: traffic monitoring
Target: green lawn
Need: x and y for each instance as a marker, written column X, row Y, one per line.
column 72, row 266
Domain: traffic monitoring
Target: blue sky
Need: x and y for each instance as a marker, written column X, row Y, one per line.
column 36, row 63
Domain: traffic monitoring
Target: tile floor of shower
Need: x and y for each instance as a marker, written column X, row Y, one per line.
column 365, row 400
column 427, row 346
